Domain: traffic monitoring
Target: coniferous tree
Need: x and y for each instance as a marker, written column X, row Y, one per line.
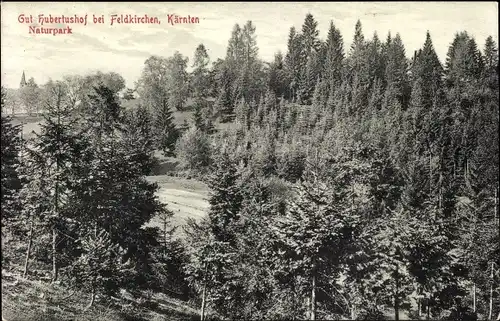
column 54, row 151
column 129, row 94
column 223, row 104
column 243, row 113
column 225, row 204
column 309, row 77
column 112, row 194
column 139, row 140
column 359, row 67
column 166, row 131
column 427, row 72
column 397, row 86
column 198, row 117
column 278, row 79
column 10, row 163
column 310, row 35
column 97, row 270
column 311, row 68
column 248, row 82
column 316, row 213
column 490, row 57
column 334, row 57
column 376, row 61
column 294, row 61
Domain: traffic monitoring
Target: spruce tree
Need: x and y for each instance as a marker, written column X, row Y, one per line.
column 54, row 151
column 198, row 117
column 10, row 163
column 313, row 236
column 112, row 193
column 428, row 71
column 310, row 35
column 242, row 113
column 359, row 64
column 216, row 261
column 166, row 131
column 225, row 199
column 223, row 104
column 309, row 77
column 98, row 269
column 139, row 140
column 397, row 83
column 294, row 61
column 334, row 57
column 278, row 79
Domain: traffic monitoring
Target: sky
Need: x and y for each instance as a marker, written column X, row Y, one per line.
column 123, row 48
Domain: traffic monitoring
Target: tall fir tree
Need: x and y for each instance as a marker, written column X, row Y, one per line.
column 139, row 140
column 334, row 57
column 10, row 162
column 54, row 150
column 166, row 131
column 294, row 61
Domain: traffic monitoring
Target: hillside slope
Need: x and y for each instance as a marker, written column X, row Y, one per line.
column 25, row 300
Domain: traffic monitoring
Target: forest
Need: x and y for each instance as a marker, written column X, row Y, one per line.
column 345, row 183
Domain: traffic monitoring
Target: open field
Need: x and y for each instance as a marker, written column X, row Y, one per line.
column 186, row 198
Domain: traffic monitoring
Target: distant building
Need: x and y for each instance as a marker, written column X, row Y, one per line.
column 23, row 81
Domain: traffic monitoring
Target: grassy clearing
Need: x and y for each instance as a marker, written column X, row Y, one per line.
column 187, row 198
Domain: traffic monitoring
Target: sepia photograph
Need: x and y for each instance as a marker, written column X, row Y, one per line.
column 249, row 161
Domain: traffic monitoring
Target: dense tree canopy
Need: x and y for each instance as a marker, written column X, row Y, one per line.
column 344, row 182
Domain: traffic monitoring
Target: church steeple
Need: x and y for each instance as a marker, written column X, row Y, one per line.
column 23, row 81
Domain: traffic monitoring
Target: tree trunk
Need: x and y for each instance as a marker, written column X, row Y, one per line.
column 497, row 218
column 92, row 298
column 28, row 250
column 430, row 173
column 428, row 309
column 474, row 297
column 56, row 203
column 420, row 302
column 54, row 255
column 490, row 315
column 203, row 294
column 308, row 304
column 396, row 296
column 313, row 298
column 165, row 237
